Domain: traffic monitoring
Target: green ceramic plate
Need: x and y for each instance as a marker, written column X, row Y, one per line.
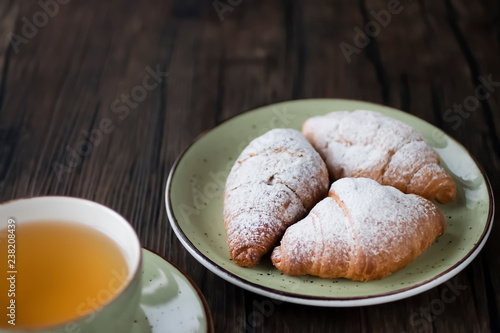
column 194, row 205
column 170, row 300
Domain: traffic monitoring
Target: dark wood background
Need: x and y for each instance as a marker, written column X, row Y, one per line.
column 66, row 67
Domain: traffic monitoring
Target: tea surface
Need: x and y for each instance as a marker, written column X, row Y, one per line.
column 63, row 271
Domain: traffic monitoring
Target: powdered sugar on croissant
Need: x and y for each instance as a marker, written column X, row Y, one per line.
column 275, row 181
column 368, row 144
column 362, row 231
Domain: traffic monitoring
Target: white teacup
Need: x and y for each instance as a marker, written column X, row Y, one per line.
column 117, row 314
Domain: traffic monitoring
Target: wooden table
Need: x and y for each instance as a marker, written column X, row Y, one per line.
column 98, row 98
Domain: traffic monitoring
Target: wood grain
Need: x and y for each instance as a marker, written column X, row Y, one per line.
column 78, row 84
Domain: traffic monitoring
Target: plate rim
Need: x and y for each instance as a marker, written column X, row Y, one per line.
column 201, row 297
column 322, row 300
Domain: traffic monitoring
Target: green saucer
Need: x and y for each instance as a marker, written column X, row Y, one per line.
column 170, row 301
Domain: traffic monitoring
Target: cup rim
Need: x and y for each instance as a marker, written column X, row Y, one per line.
column 127, row 284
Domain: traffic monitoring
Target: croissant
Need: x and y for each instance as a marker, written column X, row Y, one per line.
column 368, row 144
column 362, row 231
column 275, row 181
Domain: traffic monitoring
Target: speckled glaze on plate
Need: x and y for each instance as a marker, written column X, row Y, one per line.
column 170, row 301
column 194, row 200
